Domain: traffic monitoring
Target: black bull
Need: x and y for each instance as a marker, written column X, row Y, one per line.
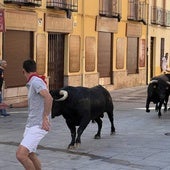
column 158, row 92
column 80, row 105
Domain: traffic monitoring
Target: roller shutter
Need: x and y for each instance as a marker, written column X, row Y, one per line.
column 18, row 46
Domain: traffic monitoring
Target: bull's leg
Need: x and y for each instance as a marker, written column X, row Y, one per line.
column 147, row 105
column 156, row 107
column 159, row 109
column 83, row 125
column 165, row 106
column 111, row 118
column 165, row 103
column 99, row 123
column 73, row 134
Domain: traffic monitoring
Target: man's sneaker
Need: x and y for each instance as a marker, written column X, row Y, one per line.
column 5, row 115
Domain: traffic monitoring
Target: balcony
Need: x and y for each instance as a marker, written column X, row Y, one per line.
column 71, row 5
column 24, row 2
column 160, row 16
column 156, row 15
column 110, row 8
column 167, row 21
column 137, row 11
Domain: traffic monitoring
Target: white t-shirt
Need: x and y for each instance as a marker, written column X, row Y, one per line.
column 164, row 64
column 35, row 101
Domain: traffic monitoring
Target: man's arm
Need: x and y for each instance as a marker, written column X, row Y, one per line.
column 19, row 104
column 47, row 109
column 14, row 105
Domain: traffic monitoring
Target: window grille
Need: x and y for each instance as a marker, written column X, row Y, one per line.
column 137, row 11
column 25, row 2
column 63, row 4
column 167, row 21
column 110, row 8
column 157, row 15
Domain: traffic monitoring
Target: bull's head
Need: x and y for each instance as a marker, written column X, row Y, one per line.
column 152, row 88
column 163, row 89
column 154, row 83
column 58, row 97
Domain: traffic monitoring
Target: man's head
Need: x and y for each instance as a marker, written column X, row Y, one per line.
column 3, row 64
column 29, row 66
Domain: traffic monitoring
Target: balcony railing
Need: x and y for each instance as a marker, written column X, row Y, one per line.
column 110, row 8
column 71, row 5
column 157, row 15
column 167, row 23
column 160, row 16
column 25, row 2
column 137, row 11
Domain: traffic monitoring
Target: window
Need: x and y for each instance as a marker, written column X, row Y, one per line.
column 157, row 15
column 110, row 8
column 137, row 10
column 167, row 19
column 63, row 4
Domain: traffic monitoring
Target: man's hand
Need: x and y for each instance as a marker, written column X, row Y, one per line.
column 46, row 123
column 4, row 106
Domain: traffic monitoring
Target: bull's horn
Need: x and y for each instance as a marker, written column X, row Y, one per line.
column 168, row 82
column 65, row 95
column 153, row 81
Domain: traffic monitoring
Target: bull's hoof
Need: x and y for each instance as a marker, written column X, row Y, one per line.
column 97, row 137
column 148, row 110
column 71, row 147
column 113, row 130
column 159, row 115
column 77, row 145
column 112, row 133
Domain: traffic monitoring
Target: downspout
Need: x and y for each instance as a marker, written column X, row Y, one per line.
column 83, row 45
column 147, row 39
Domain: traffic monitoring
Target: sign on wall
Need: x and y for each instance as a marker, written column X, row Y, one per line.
column 142, row 53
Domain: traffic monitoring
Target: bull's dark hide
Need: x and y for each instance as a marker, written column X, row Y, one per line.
column 80, row 106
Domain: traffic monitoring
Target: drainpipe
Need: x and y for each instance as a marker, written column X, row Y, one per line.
column 147, row 39
column 83, row 44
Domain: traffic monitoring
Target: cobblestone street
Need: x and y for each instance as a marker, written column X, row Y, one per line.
column 141, row 142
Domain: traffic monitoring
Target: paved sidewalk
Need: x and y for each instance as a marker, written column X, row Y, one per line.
column 141, row 142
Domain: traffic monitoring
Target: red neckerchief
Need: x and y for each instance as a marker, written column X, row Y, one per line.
column 36, row 75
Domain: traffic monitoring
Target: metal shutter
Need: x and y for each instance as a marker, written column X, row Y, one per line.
column 18, row 46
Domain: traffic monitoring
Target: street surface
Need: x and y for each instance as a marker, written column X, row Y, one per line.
column 141, row 141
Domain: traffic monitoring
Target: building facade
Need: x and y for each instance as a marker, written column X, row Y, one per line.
column 80, row 42
column 158, row 28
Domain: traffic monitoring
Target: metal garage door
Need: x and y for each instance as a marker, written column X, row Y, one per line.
column 18, row 46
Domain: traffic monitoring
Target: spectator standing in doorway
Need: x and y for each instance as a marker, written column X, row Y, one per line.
column 3, row 65
column 165, row 63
